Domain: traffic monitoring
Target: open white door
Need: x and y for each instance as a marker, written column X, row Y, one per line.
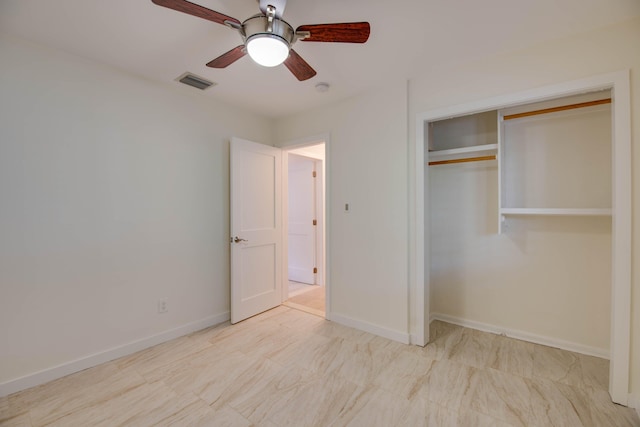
column 302, row 219
column 256, row 228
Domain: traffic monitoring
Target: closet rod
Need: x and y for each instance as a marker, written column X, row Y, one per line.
column 554, row 109
column 468, row 159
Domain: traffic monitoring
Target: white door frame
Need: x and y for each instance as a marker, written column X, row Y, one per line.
column 320, row 216
column 619, row 84
column 323, row 218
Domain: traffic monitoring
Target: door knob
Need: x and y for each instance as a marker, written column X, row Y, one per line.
column 238, row 240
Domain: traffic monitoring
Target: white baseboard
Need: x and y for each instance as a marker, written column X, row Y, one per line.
column 391, row 334
column 90, row 361
column 524, row 336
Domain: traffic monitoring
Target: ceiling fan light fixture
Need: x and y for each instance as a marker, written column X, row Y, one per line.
column 267, row 38
column 268, row 50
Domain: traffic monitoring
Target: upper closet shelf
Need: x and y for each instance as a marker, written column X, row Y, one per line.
column 557, row 109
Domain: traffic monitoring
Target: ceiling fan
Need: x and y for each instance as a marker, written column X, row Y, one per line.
column 267, row 38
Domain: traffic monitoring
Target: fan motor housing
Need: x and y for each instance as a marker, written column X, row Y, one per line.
column 259, row 24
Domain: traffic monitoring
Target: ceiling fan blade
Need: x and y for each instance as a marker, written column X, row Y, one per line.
column 348, row 32
column 196, row 10
column 228, row 58
column 299, row 66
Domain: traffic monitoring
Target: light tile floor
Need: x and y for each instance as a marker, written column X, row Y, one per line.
column 297, row 288
column 290, row 368
column 309, row 298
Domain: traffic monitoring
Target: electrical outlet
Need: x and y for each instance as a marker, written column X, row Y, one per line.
column 163, row 305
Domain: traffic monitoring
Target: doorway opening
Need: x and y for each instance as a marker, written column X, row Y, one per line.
column 304, row 222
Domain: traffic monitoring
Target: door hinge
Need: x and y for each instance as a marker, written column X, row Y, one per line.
column 313, row 174
column 315, row 222
column 315, row 270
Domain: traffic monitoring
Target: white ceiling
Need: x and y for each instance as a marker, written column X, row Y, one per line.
column 408, row 37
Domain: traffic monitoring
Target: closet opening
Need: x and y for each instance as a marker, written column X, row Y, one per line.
column 523, row 219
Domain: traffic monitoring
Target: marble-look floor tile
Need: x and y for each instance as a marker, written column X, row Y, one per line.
column 157, row 407
column 373, row 407
column 195, row 412
column 316, row 404
column 404, row 375
column 214, row 356
column 360, row 363
column 605, row 412
column 472, row 348
column 73, row 383
column 13, row 415
column 270, row 341
column 471, row 418
column 289, row 368
column 256, row 340
column 335, row 330
column 197, row 376
column 223, row 417
column 557, row 404
column 145, row 405
column 503, row 396
column 389, row 345
column 512, row 356
column 251, row 374
column 298, row 320
column 72, row 401
column 161, row 355
column 302, row 352
column 15, row 420
column 442, row 341
column 205, row 334
column 423, row 413
column 204, row 416
column 267, row 315
column 557, row 365
column 595, row 372
column 324, row 355
column 459, row 344
column 258, row 403
column 439, row 329
column 449, row 384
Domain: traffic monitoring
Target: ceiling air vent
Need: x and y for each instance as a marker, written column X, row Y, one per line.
column 195, row 81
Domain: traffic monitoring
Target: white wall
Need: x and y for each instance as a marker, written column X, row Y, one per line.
column 366, row 168
column 609, row 49
column 114, row 193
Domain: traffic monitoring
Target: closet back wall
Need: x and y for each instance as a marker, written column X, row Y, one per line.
column 548, row 277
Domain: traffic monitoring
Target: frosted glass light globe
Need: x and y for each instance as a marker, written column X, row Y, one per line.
column 267, row 50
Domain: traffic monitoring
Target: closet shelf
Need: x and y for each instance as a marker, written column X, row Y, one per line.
column 556, row 109
column 462, row 152
column 557, row 211
column 462, row 160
